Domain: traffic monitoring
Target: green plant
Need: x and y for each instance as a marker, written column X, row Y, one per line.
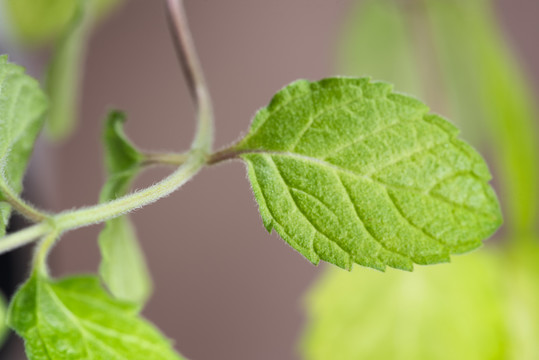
column 345, row 169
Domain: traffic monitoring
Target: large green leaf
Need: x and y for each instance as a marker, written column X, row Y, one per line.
column 22, row 109
column 76, row 319
column 347, row 171
column 123, row 267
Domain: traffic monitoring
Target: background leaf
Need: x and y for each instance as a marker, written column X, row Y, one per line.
column 504, row 96
column 65, row 72
column 348, row 171
column 3, row 327
column 40, row 21
column 75, row 318
column 22, row 109
column 123, row 267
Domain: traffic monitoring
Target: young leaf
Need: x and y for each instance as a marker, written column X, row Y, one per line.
column 347, row 171
column 22, row 109
column 123, row 267
column 76, row 319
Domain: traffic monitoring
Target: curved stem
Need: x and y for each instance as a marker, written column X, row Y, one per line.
column 42, row 252
column 95, row 214
column 23, row 208
column 192, row 70
column 175, row 159
column 196, row 159
column 23, row 237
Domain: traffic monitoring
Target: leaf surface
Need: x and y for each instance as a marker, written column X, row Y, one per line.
column 348, row 171
column 22, row 109
column 123, row 267
column 75, row 318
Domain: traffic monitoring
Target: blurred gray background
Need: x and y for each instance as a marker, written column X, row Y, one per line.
column 224, row 288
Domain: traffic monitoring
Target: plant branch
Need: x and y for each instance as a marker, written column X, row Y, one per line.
column 23, row 237
column 22, row 207
column 174, row 159
column 192, row 70
column 195, row 160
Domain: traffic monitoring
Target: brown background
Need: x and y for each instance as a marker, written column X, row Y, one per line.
column 224, row 288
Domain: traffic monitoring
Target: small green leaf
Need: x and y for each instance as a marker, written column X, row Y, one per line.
column 3, row 327
column 22, row 109
column 123, row 267
column 347, row 171
column 75, row 318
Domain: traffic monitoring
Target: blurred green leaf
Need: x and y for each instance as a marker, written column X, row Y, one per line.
column 123, row 267
column 75, row 319
column 22, row 109
column 377, row 41
column 480, row 307
column 65, row 72
column 347, row 171
column 40, row 21
column 3, row 327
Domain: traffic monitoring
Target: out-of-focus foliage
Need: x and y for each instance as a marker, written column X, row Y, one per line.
column 478, row 307
column 3, row 327
column 67, row 24
column 36, row 22
column 484, row 305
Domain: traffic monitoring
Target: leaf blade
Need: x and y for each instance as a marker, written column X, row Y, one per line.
column 75, row 318
column 339, row 168
column 22, row 108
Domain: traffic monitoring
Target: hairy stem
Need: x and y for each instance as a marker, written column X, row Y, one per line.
column 173, row 159
column 42, row 252
column 23, row 208
column 23, row 237
column 194, row 161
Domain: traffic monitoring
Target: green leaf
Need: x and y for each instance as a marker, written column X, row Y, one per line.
column 347, row 171
column 377, row 40
column 40, row 21
column 22, row 109
column 451, row 311
column 65, row 72
column 487, row 65
column 75, row 318
column 481, row 306
column 123, row 267
column 3, row 327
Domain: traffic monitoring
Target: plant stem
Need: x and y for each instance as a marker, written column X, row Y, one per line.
column 24, row 237
column 195, row 159
column 102, row 212
column 192, row 70
column 174, row 159
column 42, row 252
column 23, row 208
